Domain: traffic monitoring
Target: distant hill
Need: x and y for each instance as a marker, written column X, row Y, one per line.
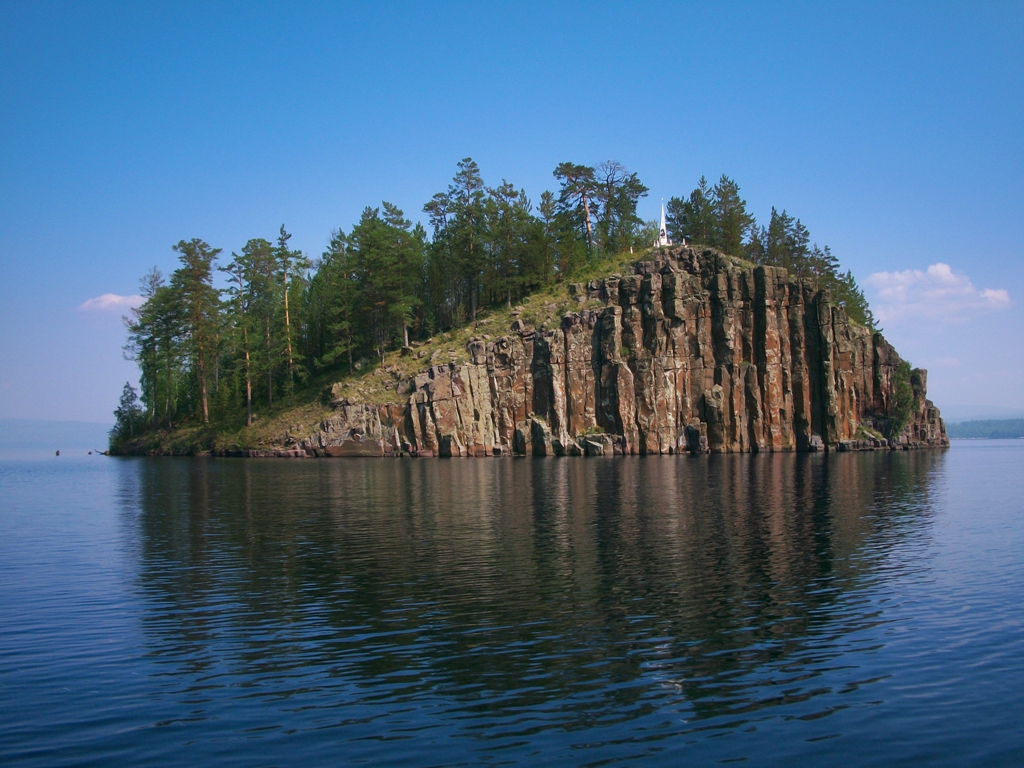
column 34, row 438
column 992, row 429
column 953, row 413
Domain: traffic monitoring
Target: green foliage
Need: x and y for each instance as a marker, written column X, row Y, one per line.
column 331, row 324
column 617, row 193
column 154, row 344
column 717, row 217
column 292, row 267
column 386, row 258
column 902, row 401
column 199, row 302
column 576, row 201
column 732, row 221
column 457, row 260
column 694, row 217
column 596, row 213
column 129, row 417
column 849, row 295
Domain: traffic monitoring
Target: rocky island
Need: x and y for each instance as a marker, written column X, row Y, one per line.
column 694, row 351
column 575, row 328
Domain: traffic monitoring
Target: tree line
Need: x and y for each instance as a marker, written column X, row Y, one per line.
column 717, row 216
column 208, row 353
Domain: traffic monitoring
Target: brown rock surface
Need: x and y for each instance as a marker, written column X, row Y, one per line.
column 695, row 351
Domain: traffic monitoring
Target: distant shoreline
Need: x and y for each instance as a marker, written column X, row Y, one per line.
column 991, row 429
column 988, row 438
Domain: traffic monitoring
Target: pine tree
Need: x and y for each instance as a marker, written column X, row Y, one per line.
column 617, row 193
column 142, row 344
column 508, row 226
column 265, row 303
column 128, row 417
column 547, row 238
column 693, row 218
column 466, row 194
column 732, row 222
column 387, row 260
column 200, row 303
column 443, row 279
column 405, row 252
column 154, row 342
column 848, row 294
column 241, row 274
column 331, row 300
column 292, row 266
column 576, row 200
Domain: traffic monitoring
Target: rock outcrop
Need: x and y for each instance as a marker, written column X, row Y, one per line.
column 694, row 352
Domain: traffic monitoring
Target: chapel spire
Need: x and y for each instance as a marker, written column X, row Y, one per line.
column 663, row 238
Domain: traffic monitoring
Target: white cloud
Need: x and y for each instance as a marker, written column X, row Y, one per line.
column 110, row 302
column 938, row 293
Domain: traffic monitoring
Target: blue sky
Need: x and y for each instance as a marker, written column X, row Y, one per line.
column 894, row 131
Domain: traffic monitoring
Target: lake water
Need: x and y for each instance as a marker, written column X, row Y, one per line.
column 854, row 609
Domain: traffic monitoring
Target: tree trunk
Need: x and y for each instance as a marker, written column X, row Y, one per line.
column 288, row 334
column 169, row 424
column 248, row 379
column 405, row 333
column 472, row 282
column 202, row 387
column 270, row 369
column 586, row 214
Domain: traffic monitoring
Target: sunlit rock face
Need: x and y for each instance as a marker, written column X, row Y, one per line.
column 694, row 352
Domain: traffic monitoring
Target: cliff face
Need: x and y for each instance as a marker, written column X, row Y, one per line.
column 694, row 352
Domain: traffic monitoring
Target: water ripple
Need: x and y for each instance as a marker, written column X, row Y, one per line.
column 764, row 609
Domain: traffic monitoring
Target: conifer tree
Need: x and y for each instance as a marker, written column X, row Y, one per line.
column 292, row 266
column 732, row 221
column 387, row 259
column 331, row 302
column 851, row 297
column 466, row 194
column 547, row 239
column 693, row 218
column 576, row 200
column 508, row 227
column 241, row 273
column 443, row 279
column 200, row 303
column 265, row 302
column 146, row 336
column 616, row 196
column 128, row 417
column 162, row 319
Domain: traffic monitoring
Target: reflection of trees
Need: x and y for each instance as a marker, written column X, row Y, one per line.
column 504, row 584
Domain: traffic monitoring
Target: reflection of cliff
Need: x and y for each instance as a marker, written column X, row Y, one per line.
column 695, row 351
column 531, row 579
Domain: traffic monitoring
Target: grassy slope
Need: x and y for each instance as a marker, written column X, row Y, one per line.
column 301, row 414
